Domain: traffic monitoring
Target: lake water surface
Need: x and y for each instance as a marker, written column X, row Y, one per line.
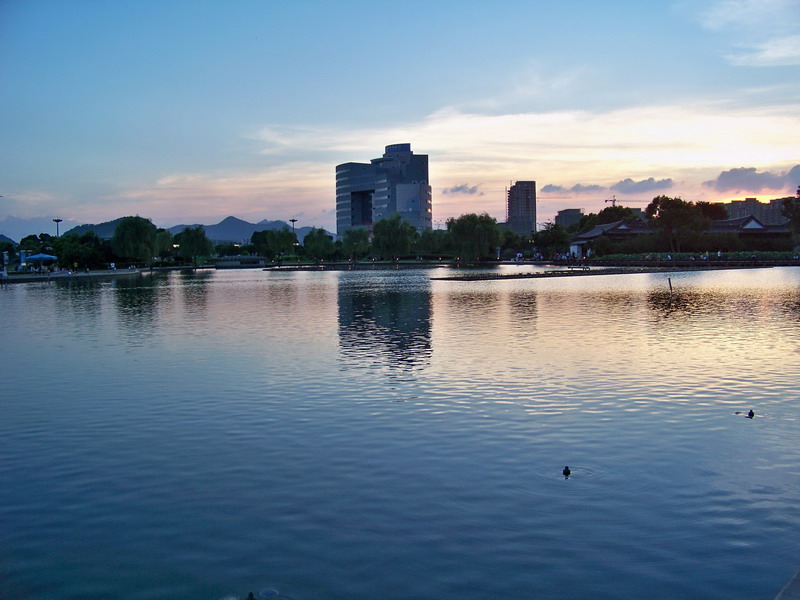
column 379, row 434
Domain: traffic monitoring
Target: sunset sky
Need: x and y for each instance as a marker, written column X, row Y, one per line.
column 190, row 111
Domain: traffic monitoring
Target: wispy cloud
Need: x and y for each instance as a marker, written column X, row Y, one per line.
column 762, row 31
column 578, row 188
column 771, row 53
column 464, row 188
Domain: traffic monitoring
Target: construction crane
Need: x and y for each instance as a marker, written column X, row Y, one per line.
column 614, row 201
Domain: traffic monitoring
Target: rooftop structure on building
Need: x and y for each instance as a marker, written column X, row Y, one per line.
column 521, row 207
column 396, row 183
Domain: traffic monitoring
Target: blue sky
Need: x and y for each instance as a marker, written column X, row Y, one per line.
column 190, row 111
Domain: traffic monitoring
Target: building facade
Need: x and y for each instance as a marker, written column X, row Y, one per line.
column 767, row 213
column 521, row 211
column 568, row 216
column 396, row 183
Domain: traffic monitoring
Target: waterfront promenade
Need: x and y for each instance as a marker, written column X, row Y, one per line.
column 69, row 276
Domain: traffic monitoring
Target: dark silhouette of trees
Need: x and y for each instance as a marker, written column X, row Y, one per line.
column 712, row 210
column 676, row 220
column 193, row 242
column 34, row 244
column 318, row 244
column 610, row 214
column 474, row 236
column 434, row 242
column 355, row 243
column 393, row 236
column 274, row 242
column 86, row 251
column 551, row 240
column 135, row 239
column 164, row 247
column 791, row 210
column 512, row 242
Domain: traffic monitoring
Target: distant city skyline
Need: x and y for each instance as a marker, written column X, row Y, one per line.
column 186, row 112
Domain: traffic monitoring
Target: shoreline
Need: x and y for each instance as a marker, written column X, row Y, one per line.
column 585, row 272
column 46, row 277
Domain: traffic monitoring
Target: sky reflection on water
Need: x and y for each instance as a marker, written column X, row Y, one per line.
column 378, row 434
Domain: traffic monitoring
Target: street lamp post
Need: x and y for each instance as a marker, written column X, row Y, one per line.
column 295, row 244
column 57, row 221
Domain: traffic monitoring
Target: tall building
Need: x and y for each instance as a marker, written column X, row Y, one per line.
column 768, row 213
column 396, row 183
column 521, row 212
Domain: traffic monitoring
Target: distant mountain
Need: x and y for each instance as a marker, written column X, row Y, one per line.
column 7, row 239
column 229, row 229
column 16, row 228
column 238, row 231
column 105, row 231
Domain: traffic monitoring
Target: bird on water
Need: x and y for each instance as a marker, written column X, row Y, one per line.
column 566, row 472
column 751, row 414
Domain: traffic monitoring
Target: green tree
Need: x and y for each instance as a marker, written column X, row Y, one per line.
column 135, row 239
column 274, row 242
column 511, row 243
column 553, row 239
column 81, row 251
column 474, row 236
column 586, row 222
column 231, row 249
column 34, row 244
column 355, row 243
column 164, row 243
column 676, row 219
column 393, row 236
column 714, row 211
column 791, row 210
column 434, row 242
column 612, row 214
column 8, row 252
column 193, row 242
column 318, row 244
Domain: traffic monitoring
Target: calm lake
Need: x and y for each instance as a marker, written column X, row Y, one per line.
column 378, row 434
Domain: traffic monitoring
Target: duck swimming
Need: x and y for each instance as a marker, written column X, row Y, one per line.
column 566, row 472
column 751, row 414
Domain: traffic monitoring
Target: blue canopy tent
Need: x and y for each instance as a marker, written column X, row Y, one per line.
column 41, row 259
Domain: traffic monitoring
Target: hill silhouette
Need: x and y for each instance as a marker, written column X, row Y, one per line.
column 229, row 230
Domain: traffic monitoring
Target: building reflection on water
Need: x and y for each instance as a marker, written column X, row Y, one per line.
column 388, row 328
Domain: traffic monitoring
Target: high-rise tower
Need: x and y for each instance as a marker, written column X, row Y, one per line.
column 395, row 183
column 521, row 212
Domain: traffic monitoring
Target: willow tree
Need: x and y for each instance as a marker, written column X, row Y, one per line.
column 135, row 239
column 355, row 243
column 474, row 236
column 274, row 242
column 193, row 242
column 393, row 236
column 318, row 244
